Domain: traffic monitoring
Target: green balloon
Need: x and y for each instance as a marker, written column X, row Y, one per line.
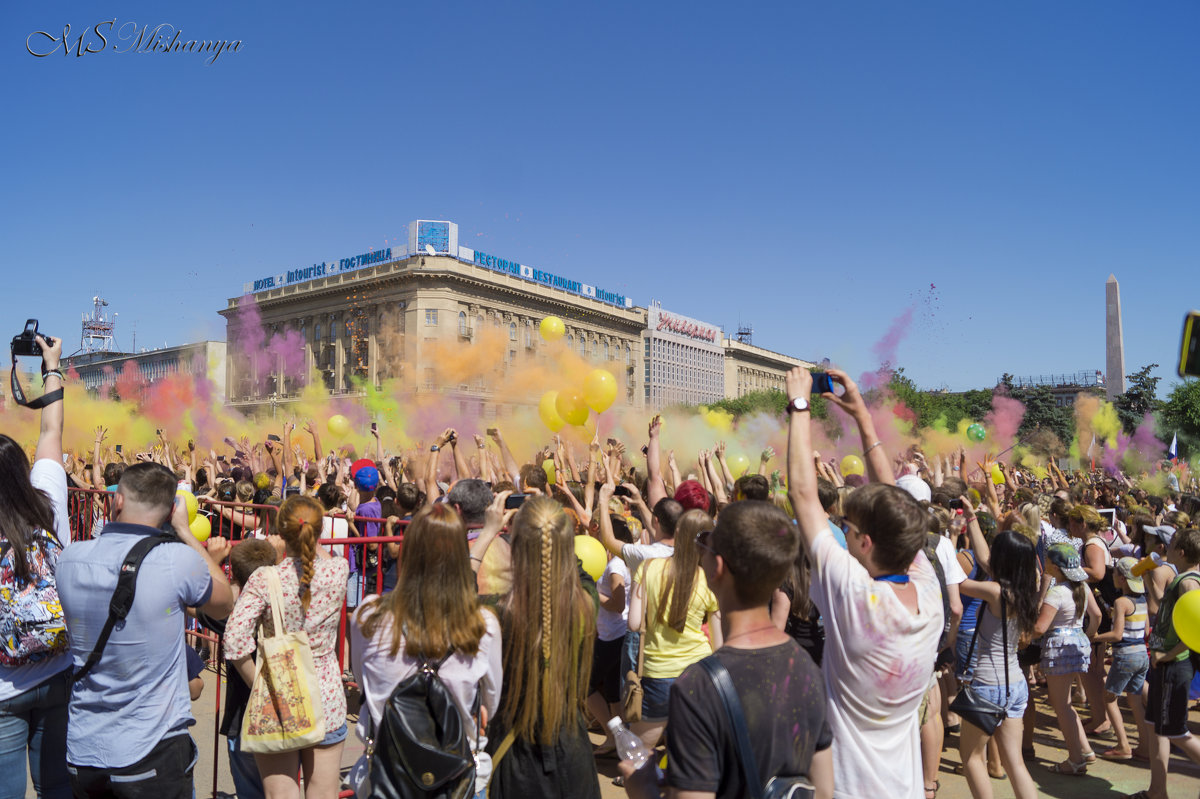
column 976, row 432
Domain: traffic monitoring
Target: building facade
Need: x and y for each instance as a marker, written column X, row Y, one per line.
column 684, row 360
column 749, row 368
column 391, row 315
column 99, row 372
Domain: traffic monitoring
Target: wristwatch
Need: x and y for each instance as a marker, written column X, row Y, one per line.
column 797, row 404
column 434, row 448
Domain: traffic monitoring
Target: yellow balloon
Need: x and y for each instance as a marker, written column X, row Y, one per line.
column 591, row 554
column 1186, row 618
column 997, row 475
column 600, row 390
column 548, row 468
column 201, row 527
column 189, row 499
column 852, row 464
column 552, row 328
column 548, row 413
column 338, row 425
column 571, row 407
column 738, row 464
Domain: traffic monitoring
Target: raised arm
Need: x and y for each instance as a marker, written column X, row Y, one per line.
column 655, row 487
column 802, row 474
column 510, row 463
column 607, row 537
column 98, row 459
column 461, row 468
column 878, row 467
column 49, row 444
column 727, row 477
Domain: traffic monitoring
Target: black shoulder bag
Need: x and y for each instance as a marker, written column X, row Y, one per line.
column 984, row 714
column 797, row 787
column 122, row 598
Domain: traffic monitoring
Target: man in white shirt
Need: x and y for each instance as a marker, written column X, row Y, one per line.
column 881, row 604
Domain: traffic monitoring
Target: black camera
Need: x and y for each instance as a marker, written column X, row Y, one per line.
column 26, row 343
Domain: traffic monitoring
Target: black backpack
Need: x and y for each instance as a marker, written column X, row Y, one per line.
column 421, row 749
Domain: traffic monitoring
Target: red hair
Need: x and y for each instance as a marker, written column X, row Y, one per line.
column 692, row 496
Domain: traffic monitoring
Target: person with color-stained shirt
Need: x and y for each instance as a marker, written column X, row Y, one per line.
column 881, row 604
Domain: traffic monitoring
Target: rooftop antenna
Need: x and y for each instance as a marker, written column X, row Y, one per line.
column 745, row 334
column 97, row 332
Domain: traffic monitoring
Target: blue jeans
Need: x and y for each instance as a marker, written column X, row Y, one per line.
column 35, row 722
column 246, row 781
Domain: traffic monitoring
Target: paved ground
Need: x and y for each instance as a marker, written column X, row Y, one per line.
column 1102, row 780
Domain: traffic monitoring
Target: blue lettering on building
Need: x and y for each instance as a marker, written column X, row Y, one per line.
column 545, row 278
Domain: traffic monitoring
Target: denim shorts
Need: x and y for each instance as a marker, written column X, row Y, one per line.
column 1128, row 673
column 336, row 736
column 1016, row 700
column 656, row 695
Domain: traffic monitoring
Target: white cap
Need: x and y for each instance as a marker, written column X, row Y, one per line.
column 615, row 724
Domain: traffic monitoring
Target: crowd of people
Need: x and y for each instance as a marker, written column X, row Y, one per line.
column 804, row 629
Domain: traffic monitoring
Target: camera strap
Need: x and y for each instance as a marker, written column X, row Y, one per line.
column 19, row 395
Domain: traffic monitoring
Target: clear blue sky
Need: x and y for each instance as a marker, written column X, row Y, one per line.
column 808, row 168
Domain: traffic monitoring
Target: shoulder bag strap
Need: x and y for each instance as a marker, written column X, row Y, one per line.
column 275, row 597
column 1004, row 634
column 975, row 635
column 122, row 597
column 645, row 616
column 733, row 709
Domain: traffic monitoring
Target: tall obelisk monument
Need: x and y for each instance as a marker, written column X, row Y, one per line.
column 1114, row 345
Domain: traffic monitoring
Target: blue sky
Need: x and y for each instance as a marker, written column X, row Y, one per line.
column 808, row 168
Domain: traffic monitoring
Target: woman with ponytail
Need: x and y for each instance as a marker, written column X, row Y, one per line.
column 314, row 590
column 671, row 602
column 538, row 741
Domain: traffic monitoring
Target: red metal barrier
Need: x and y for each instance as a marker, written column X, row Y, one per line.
column 89, row 510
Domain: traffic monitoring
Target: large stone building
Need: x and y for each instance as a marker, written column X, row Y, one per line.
column 389, row 314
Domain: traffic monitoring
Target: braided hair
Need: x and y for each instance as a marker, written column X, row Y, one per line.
column 548, row 623
column 300, row 521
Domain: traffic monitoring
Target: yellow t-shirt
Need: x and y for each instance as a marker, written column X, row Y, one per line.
column 667, row 652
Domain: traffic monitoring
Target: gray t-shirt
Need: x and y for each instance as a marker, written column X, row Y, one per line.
column 989, row 658
column 137, row 694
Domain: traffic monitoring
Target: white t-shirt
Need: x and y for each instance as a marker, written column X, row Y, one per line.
column 48, row 476
column 1059, row 597
column 951, row 568
column 878, row 662
column 611, row 626
column 637, row 554
column 335, row 527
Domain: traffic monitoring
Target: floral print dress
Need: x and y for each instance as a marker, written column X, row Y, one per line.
column 328, row 591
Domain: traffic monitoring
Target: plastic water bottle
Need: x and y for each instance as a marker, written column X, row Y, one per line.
column 629, row 746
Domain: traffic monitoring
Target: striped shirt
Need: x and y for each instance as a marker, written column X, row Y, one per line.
column 1135, row 624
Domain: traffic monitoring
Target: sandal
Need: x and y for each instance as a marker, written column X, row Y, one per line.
column 931, row 793
column 1067, row 767
column 1089, row 758
column 1113, row 754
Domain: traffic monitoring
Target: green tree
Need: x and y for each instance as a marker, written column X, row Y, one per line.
column 1044, row 415
column 1181, row 416
column 1139, row 398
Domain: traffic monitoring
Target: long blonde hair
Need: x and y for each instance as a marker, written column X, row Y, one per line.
column 435, row 605
column 548, row 623
column 300, row 521
column 681, row 573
